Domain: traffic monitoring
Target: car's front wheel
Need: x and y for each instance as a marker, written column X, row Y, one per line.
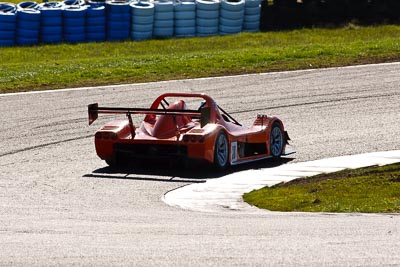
column 221, row 151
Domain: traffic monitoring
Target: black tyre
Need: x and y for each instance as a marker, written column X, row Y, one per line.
column 276, row 140
column 221, row 151
column 111, row 162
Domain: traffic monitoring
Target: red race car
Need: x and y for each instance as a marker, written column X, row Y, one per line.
column 171, row 130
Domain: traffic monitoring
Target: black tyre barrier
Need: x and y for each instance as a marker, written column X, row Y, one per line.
column 8, row 24
column 279, row 16
column 287, row 14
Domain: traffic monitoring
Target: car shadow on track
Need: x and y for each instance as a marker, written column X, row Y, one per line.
column 177, row 174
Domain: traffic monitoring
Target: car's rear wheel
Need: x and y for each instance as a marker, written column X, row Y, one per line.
column 117, row 160
column 221, row 151
column 276, row 140
column 112, row 162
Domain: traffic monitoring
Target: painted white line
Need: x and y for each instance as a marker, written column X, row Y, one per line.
column 225, row 193
column 195, row 79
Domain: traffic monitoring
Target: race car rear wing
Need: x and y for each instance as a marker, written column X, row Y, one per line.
column 94, row 110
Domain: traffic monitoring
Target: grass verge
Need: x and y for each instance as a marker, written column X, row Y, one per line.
column 88, row 64
column 369, row 190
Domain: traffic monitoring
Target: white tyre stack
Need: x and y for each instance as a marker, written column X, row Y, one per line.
column 142, row 20
column 207, row 17
column 252, row 14
column 231, row 17
column 185, row 19
column 163, row 19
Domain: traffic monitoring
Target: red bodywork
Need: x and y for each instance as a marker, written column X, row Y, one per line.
column 171, row 131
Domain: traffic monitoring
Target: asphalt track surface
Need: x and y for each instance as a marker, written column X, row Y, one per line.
column 61, row 205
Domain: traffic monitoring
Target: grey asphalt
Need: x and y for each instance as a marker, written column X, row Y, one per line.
column 61, row 205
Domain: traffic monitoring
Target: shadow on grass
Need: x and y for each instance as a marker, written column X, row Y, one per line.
column 176, row 173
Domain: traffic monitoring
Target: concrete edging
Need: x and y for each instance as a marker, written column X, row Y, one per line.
column 225, row 193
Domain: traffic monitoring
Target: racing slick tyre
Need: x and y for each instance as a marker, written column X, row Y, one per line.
column 118, row 161
column 276, row 140
column 112, row 163
column 221, row 151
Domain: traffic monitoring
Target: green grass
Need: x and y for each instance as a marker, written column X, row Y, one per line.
column 59, row 66
column 369, row 190
column 17, row 1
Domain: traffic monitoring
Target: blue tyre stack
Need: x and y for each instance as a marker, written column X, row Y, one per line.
column 185, row 19
column 8, row 24
column 231, row 17
column 118, row 20
column 51, row 27
column 96, row 23
column 163, row 19
column 207, row 17
column 252, row 14
column 28, row 23
column 74, row 21
column 142, row 20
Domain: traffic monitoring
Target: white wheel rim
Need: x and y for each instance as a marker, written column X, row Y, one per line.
column 222, row 150
column 276, row 141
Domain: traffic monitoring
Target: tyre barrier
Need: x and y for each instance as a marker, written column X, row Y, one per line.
column 252, row 15
column 163, row 19
column 207, row 17
column 96, row 23
column 95, row 2
column 231, row 17
column 118, row 20
column 51, row 24
column 74, row 21
column 74, row 3
column 8, row 24
column 28, row 23
column 185, row 19
column 282, row 14
column 142, row 20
